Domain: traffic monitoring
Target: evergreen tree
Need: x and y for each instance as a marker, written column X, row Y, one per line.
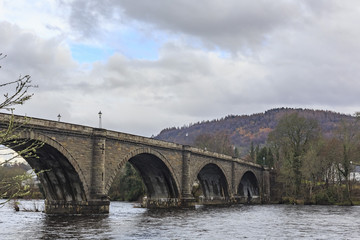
column 127, row 186
column 252, row 152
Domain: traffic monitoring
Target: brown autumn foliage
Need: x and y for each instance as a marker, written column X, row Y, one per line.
column 246, row 129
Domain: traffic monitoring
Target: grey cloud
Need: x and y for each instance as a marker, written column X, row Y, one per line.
column 231, row 25
column 189, row 82
column 225, row 23
column 308, row 57
column 192, row 82
column 86, row 17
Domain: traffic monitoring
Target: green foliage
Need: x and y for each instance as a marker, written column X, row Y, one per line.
column 127, row 186
column 236, row 152
column 264, row 157
column 252, row 152
column 331, row 195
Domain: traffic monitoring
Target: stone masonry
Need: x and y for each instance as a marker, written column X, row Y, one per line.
column 78, row 164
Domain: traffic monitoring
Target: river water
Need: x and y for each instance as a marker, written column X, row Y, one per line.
column 237, row 222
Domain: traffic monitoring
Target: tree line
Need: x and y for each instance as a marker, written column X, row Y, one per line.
column 308, row 164
column 312, row 167
column 246, row 129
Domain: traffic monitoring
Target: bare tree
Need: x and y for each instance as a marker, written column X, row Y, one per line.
column 348, row 137
column 293, row 137
column 16, row 93
column 218, row 142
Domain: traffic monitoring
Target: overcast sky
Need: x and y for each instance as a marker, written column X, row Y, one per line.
column 148, row 65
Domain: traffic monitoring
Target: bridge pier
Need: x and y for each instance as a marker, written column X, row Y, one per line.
column 215, row 201
column 244, row 200
column 187, row 199
column 96, row 201
column 161, row 203
column 98, row 164
column 77, row 207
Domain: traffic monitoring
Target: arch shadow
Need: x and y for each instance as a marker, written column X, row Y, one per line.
column 58, row 172
column 248, row 187
column 213, row 182
column 155, row 171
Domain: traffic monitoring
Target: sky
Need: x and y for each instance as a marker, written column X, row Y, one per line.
column 148, row 65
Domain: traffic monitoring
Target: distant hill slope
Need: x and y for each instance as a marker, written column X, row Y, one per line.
column 248, row 128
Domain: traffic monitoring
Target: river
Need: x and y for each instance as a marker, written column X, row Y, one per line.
column 237, row 222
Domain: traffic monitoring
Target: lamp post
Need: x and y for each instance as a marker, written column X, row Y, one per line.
column 100, row 125
column 59, row 116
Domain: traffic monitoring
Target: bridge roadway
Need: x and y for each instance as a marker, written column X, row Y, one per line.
column 77, row 165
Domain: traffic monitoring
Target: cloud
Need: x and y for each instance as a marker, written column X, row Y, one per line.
column 183, row 81
column 231, row 25
column 283, row 53
column 45, row 18
column 228, row 24
column 47, row 61
column 88, row 17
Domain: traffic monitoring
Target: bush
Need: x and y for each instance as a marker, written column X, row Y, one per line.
column 331, row 195
column 322, row 198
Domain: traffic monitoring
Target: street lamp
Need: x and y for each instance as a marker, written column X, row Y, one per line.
column 100, row 113
column 59, row 116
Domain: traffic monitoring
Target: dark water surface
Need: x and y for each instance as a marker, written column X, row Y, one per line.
column 237, row 222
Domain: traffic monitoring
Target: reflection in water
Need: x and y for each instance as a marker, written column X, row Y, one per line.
column 240, row 221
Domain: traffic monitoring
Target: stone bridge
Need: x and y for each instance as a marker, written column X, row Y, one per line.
column 77, row 165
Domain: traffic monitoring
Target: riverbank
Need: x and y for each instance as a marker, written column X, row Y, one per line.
column 293, row 201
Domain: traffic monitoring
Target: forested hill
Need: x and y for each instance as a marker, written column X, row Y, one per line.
column 248, row 128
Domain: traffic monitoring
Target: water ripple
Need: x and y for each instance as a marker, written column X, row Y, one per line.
column 236, row 222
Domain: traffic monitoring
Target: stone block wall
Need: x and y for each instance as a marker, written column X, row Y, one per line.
column 98, row 155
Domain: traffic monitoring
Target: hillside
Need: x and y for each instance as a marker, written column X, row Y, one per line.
column 248, row 128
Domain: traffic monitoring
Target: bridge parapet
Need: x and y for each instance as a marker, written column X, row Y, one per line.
column 223, row 157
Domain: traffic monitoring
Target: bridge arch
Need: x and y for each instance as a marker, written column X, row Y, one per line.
column 249, row 186
column 59, row 173
column 213, row 181
column 155, row 171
